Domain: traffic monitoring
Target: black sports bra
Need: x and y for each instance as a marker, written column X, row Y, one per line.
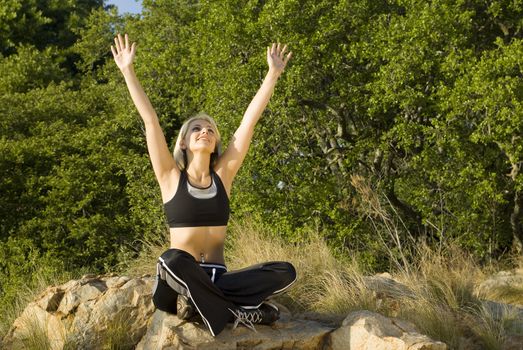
column 185, row 210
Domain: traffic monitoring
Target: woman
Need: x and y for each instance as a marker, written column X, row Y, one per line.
column 195, row 185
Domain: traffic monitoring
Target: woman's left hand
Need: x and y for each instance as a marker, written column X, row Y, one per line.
column 277, row 58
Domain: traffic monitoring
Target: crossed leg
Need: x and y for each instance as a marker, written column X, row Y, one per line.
column 179, row 273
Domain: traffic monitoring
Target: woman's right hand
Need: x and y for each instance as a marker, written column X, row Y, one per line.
column 123, row 53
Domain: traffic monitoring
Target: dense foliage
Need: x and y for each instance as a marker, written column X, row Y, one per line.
column 420, row 99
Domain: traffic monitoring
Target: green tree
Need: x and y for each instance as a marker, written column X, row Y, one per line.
column 42, row 23
column 420, row 99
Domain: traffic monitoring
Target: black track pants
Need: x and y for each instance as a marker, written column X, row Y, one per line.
column 213, row 290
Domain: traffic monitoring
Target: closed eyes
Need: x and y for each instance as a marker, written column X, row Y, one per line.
column 198, row 128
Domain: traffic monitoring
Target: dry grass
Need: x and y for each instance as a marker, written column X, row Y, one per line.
column 116, row 336
column 443, row 284
column 444, row 303
column 492, row 328
column 325, row 284
column 508, row 294
column 143, row 263
column 26, row 292
column 439, row 296
column 36, row 336
column 440, row 285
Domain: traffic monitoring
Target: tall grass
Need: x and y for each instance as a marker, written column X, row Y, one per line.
column 141, row 261
column 36, row 337
column 438, row 292
column 116, row 336
column 326, row 284
column 21, row 292
column 443, row 283
column 443, row 279
column 439, row 284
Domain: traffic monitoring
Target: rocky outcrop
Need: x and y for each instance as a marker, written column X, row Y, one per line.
column 369, row 330
column 385, row 286
column 85, row 313
column 506, row 286
column 117, row 312
column 168, row 332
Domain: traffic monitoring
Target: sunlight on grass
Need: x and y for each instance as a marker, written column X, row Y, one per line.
column 325, row 284
column 442, row 283
column 26, row 292
column 143, row 262
column 36, row 336
column 436, row 291
column 437, row 294
column 116, row 336
column 505, row 294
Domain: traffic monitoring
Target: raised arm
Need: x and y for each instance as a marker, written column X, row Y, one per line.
column 231, row 160
column 161, row 159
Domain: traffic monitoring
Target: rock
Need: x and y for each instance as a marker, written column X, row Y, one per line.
column 514, row 342
column 500, row 311
column 169, row 332
column 84, row 313
column 383, row 284
column 112, row 311
column 362, row 330
column 505, row 286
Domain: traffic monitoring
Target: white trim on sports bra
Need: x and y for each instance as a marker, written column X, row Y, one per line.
column 203, row 193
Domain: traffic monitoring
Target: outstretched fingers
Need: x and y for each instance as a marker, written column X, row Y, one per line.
column 287, row 58
column 122, row 44
column 278, row 56
column 278, row 49
column 282, row 53
column 117, row 44
column 121, row 41
column 123, row 51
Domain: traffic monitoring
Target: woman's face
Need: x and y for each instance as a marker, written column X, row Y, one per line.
column 201, row 136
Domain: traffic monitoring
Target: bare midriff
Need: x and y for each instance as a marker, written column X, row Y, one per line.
column 204, row 243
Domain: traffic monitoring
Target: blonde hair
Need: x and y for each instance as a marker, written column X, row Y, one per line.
column 179, row 154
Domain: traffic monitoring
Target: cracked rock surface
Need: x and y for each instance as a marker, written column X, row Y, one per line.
column 113, row 311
